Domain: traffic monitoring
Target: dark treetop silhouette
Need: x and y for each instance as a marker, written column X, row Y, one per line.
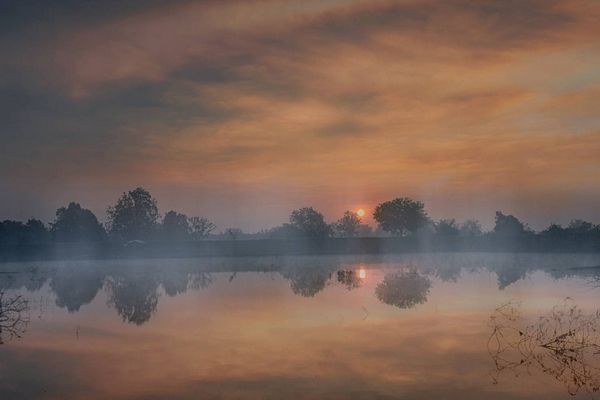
column 76, row 224
column 403, row 225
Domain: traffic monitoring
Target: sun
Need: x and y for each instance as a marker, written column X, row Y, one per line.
column 360, row 212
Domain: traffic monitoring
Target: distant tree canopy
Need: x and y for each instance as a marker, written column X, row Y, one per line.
column 508, row 225
column 471, row 228
column 134, row 216
column 285, row 231
column 175, row 226
column 310, row 223
column 200, row 227
column 580, row 227
column 555, row 232
column 17, row 233
column 348, row 225
column 577, row 232
column 447, row 228
column 76, row 224
column 401, row 216
column 233, row 233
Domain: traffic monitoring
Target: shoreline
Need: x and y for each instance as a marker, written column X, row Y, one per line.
column 283, row 247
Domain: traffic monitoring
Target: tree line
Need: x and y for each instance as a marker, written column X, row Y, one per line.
column 135, row 217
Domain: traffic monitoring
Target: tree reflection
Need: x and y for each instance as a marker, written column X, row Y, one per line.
column 76, row 286
column 564, row 344
column 349, row 278
column 31, row 280
column 13, row 317
column 134, row 298
column 307, row 282
column 403, row 289
column 200, row 280
column 175, row 283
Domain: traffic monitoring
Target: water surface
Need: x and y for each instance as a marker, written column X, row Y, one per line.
column 444, row 326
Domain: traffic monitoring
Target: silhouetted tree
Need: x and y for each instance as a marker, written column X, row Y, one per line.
column 175, row 226
column 76, row 224
column 578, row 235
column 12, row 233
column 310, row 223
column 16, row 233
column 447, row 228
column 36, row 232
column 134, row 216
column 403, row 289
column 285, row 231
column 508, row 225
column 348, row 225
column 401, row 216
column 555, row 233
column 200, row 227
column 471, row 228
column 233, row 233
column 580, row 227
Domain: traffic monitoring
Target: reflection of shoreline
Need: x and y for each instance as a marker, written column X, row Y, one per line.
column 134, row 287
column 14, row 317
column 564, row 344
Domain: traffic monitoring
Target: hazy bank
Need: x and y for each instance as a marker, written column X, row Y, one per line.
column 275, row 247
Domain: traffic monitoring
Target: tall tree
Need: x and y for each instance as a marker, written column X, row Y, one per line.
column 16, row 233
column 347, row 226
column 509, row 225
column 350, row 225
column 175, row 226
column 471, row 228
column 200, row 227
column 447, row 228
column 76, row 224
column 134, row 216
column 310, row 223
column 401, row 216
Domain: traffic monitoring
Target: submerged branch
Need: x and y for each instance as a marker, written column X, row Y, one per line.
column 563, row 344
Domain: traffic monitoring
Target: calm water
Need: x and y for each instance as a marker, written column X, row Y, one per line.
column 442, row 326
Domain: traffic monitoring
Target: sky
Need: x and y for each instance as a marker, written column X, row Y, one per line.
column 241, row 111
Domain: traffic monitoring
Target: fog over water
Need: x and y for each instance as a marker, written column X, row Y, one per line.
column 332, row 327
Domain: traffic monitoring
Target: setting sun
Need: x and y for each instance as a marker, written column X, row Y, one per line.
column 360, row 212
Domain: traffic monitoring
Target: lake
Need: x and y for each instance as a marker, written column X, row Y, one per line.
column 420, row 326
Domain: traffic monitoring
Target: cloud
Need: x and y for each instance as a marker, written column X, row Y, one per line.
column 270, row 98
